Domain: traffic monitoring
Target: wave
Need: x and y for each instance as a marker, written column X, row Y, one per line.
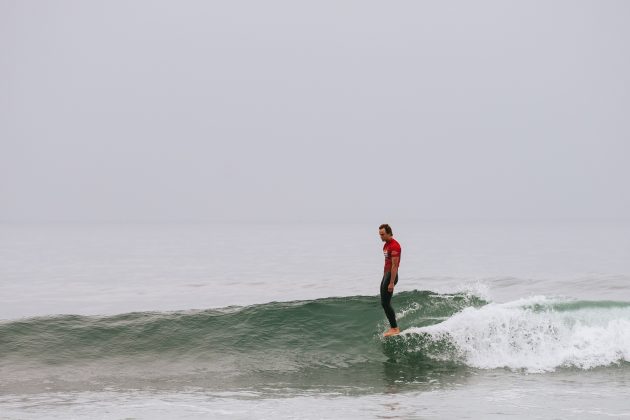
column 330, row 340
column 339, row 323
column 537, row 334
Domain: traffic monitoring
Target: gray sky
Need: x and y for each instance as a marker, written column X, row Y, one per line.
column 321, row 110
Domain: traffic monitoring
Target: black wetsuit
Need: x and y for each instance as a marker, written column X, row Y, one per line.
column 386, row 299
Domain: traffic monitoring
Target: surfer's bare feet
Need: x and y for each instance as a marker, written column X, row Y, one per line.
column 391, row 331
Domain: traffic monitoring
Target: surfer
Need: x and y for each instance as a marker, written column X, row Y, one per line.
column 392, row 250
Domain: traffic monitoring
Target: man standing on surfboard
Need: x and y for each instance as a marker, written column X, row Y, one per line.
column 391, row 249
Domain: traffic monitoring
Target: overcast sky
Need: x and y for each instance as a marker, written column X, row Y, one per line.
column 314, row 110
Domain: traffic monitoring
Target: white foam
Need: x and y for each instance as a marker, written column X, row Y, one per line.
column 478, row 288
column 449, row 286
column 414, row 306
column 516, row 336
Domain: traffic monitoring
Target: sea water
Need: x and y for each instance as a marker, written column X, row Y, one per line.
column 282, row 320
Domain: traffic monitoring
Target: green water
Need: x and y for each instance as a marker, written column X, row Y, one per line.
column 331, row 342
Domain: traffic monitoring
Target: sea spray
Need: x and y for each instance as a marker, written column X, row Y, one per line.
column 536, row 334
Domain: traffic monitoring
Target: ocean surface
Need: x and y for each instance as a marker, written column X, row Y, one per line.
column 239, row 321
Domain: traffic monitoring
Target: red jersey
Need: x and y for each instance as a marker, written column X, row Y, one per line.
column 391, row 249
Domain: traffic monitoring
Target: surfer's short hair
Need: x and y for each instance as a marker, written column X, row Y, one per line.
column 387, row 228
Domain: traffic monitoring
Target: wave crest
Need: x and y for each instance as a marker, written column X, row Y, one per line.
column 536, row 334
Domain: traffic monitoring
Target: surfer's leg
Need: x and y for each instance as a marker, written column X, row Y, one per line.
column 386, row 300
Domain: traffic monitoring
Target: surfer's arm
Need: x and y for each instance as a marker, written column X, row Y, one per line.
column 394, row 271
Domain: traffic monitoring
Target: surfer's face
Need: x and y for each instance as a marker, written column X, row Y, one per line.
column 384, row 236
